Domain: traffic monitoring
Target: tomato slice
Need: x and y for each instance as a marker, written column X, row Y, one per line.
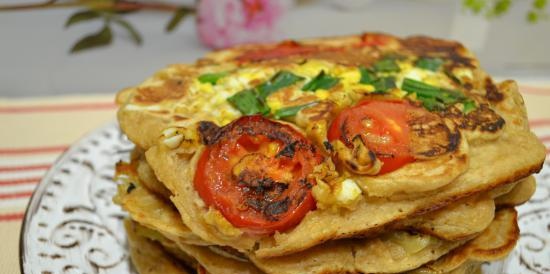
column 284, row 49
column 254, row 171
column 374, row 39
column 382, row 124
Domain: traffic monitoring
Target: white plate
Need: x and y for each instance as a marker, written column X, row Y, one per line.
column 72, row 226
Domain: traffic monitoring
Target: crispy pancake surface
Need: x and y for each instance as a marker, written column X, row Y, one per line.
column 390, row 252
column 498, row 239
column 496, row 242
column 148, row 257
column 474, row 140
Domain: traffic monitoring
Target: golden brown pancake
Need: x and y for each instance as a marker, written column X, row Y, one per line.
column 465, row 140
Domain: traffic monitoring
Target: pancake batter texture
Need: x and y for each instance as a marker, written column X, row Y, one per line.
column 358, row 154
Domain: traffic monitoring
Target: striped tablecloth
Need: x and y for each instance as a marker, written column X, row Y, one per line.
column 34, row 132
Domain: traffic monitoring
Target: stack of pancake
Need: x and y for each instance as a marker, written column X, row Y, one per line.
column 250, row 160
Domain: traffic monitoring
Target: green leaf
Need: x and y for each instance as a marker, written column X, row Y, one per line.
column 99, row 39
column 82, row 16
column 500, row 7
column 384, row 84
column 540, row 4
column 469, row 106
column 280, row 80
column 532, row 17
column 476, row 6
column 211, row 78
column 426, row 63
column 176, row 19
column 291, row 111
column 136, row 37
column 247, row 103
column 321, row 81
column 367, row 76
column 386, row 65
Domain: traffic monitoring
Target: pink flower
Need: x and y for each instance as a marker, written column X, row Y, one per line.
column 224, row 23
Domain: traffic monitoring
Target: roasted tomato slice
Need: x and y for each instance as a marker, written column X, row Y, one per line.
column 254, row 171
column 382, row 124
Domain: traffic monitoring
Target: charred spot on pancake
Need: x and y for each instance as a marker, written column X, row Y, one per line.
column 430, row 136
column 170, row 89
column 130, row 188
column 210, row 132
column 491, row 91
column 483, row 118
column 450, row 50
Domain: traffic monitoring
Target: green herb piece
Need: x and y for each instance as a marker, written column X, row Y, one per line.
column 426, row 63
column 211, row 78
column 469, row 106
column 247, row 103
column 431, row 104
column 321, row 81
column 384, row 84
column 280, row 80
column 386, row 65
column 422, row 89
column 367, row 76
column 433, row 98
column 291, row 111
column 130, row 188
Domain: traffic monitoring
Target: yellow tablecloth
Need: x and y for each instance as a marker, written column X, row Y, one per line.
column 34, row 132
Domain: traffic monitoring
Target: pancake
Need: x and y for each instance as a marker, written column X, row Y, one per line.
column 518, row 195
column 374, row 254
column 276, row 149
column 148, row 257
column 494, row 243
column 149, row 209
column 319, row 226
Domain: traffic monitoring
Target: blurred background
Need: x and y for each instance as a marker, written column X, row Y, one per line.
column 35, row 44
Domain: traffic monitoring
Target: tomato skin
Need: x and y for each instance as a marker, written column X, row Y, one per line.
column 255, row 187
column 387, row 134
column 374, row 39
column 282, row 50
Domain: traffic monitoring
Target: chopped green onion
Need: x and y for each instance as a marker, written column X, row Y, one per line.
column 422, row 89
column 433, row 98
column 280, row 80
column 367, row 76
column 386, row 65
column 427, row 63
column 252, row 101
column 384, row 84
column 211, row 78
column 247, row 103
column 469, row 106
column 291, row 111
column 321, row 81
column 431, row 104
